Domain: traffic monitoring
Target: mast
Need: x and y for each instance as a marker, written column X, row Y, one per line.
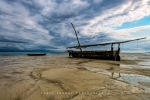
column 77, row 37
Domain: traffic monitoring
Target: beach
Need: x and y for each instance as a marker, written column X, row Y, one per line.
column 58, row 77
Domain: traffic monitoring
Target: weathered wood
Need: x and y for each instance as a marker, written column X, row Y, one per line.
column 77, row 37
column 94, row 54
column 103, row 44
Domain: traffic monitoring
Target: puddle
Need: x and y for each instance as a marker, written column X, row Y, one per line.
column 144, row 63
column 133, row 58
column 132, row 79
column 141, row 65
column 126, row 66
column 98, row 70
column 135, row 79
column 95, row 69
column 134, row 66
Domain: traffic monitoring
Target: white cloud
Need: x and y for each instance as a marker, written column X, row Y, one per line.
column 49, row 7
column 115, row 17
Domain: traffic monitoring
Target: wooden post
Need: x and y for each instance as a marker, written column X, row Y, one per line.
column 118, row 56
column 118, row 48
column 112, row 47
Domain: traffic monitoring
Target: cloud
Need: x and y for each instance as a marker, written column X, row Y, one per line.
column 12, row 41
column 115, row 17
column 46, row 23
column 18, row 22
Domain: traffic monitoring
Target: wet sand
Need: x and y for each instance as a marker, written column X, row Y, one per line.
column 58, row 77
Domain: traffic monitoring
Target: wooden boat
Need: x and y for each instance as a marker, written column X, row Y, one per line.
column 37, row 54
column 97, row 54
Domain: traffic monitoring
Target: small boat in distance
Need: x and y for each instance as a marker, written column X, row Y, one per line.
column 37, row 54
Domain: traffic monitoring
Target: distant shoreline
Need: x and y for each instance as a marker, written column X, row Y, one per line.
column 13, row 54
column 10, row 54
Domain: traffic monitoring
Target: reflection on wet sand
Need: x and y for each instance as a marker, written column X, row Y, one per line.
column 117, row 75
column 133, row 79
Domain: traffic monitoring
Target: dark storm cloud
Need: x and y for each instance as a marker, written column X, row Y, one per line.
column 12, row 41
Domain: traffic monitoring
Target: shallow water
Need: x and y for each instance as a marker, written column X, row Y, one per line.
column 132, row 79
column 135, row 66
column 17, row 54
column 144, row 63
column 126, row 66
column 133, row 58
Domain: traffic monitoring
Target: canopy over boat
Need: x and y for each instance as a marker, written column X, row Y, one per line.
column 103, row 44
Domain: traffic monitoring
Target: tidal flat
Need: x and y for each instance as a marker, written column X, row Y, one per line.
column 58, row 77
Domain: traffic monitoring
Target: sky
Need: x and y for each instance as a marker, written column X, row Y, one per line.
column 46, row 24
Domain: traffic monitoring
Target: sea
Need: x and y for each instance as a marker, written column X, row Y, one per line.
column 11, row 54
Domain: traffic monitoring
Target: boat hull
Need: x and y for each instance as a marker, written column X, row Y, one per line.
column 43, row 54
column 107, row 55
